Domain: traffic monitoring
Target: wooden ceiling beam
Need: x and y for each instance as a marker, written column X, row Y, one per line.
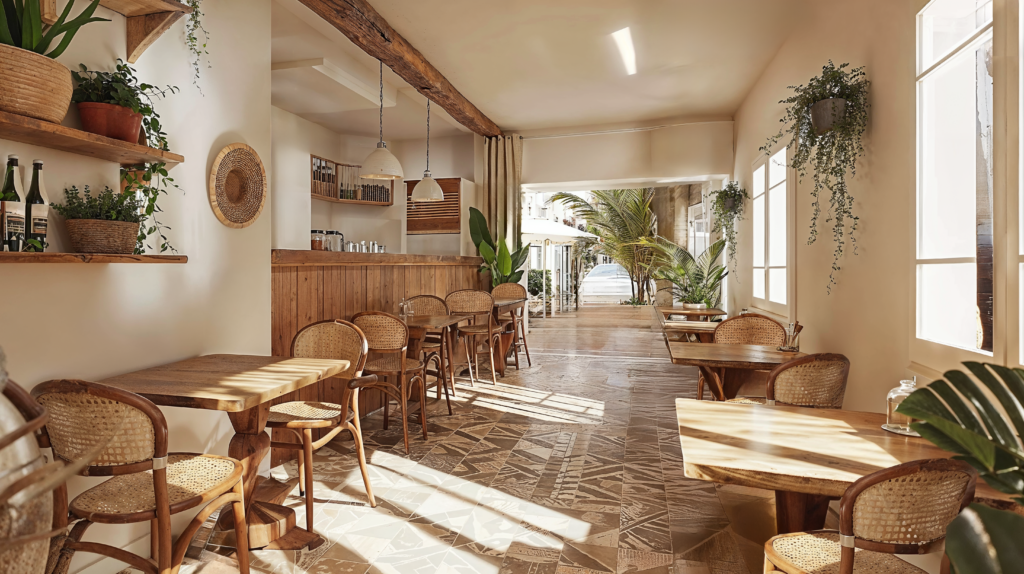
column 361, row 24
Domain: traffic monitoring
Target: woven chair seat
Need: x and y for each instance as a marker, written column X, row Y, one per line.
column 191, row 479
column 390, row 364
column 475, row 329
column 430, row 345
column 749, row 401
column 310, row 412
column 819, row 553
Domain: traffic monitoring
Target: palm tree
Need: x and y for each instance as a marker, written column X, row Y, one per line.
column 694, row 280
column 626, row 225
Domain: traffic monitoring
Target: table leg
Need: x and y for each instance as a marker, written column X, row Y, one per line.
column 714, row 382
column 799, row 512
column 446, row 339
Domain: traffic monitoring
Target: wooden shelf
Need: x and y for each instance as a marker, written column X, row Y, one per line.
column 6, row 257
column 144, row 7
column 350, row 201
column 55, row 136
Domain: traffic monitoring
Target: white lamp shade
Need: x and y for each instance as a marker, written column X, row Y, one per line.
column 381, row 164
column 427, row 190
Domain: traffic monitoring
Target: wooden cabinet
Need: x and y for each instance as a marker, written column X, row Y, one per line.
column 438, row 217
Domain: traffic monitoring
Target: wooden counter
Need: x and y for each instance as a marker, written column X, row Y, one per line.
column 311, row 286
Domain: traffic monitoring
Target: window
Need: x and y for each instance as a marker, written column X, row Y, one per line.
column 697, row 224
column 954, row 240
column 771, row 234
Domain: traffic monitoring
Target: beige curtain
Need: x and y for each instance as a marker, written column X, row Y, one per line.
column 503, row 171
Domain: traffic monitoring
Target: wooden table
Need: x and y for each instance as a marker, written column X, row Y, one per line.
column 243, row 386
column 807, row 456
column 508, row 338
column 667, row 311
column 715, row 360
column 703, row 330
column 418, row 327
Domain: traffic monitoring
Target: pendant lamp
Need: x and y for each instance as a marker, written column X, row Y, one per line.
column 381, row 163
column 427, row 189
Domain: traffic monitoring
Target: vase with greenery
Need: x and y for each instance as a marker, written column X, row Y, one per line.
column 626, row 227
column 958, row 415
column 695, row 281
column 35, row 84
column 503, row 265
column 726, row 209
column 104, row 223
column 826, row 119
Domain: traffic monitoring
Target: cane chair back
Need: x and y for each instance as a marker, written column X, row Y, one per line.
column 333, row 339
column 750, row 329
column 509, row 291
column 84, row 414
column 812, row 381
column 428, row 305
column 384, row 333
column 471, row 302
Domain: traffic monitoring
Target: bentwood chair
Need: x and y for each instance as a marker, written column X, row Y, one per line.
column 147, row 483
column 747, row 329
column 329, row 339
column 388, row 336
column 435, row 345
column 515, row 291
column 900, row 510
column 479, row 304
column 817, row 380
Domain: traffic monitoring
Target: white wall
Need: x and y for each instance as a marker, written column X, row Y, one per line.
column 95, row 321
column 867, row 315
column 294, row 139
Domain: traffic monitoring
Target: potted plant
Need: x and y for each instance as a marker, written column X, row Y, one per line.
column 115, row 105
column 696, row 283
column 34, row 83
column 503, row 266
column 106, row 223
column 727, row 209
column 826, row 119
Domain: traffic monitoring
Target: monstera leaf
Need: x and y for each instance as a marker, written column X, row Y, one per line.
column 983, row 540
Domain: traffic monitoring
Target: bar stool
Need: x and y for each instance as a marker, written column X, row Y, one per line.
column 389, row 336
column 479, row 304
column 435, row 344
column 515, row 291
column 148, row 484
column 331, row 339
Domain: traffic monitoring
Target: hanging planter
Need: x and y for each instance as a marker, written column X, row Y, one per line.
column 826, row 119
column 727, row 209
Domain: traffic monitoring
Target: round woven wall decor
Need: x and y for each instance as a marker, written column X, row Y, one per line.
column 238, row 186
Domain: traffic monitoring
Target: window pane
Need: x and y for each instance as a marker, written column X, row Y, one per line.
column 759, row 231
column 777, row 226
column 758, row 181
column 955, row 134
column 947, row 23
column 759, row 283
column 777, row 285
column 946, row 304
column 777, row 168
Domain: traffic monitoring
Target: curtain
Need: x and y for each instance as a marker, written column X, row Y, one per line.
column 503, row 171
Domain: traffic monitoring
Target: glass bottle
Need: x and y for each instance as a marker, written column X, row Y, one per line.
column 37, row 212
column 401, row 309
column 12, row 208
column 895, row 421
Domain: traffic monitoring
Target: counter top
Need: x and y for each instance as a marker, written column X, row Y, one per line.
column 299, row 258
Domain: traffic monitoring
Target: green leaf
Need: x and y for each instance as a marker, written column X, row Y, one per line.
column 487, row 253
column 515, row 277
column 983, row 540
column 31, row 25
column 5, row 31
column 519, row 257
column 478, row 229
column 994, row 422
column 71, row 28
column 1007, row 395
column 13, row 17
column 964, row 414
column 54, row 30
column 504, row 260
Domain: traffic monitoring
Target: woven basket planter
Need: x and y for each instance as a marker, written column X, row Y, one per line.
column 34, row 85
column 99, row 236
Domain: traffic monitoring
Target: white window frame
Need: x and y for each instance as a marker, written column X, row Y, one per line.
column 787, row 311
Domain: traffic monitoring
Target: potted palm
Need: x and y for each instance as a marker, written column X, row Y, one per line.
column 499, row 261
column 105, row 223
column 115, row 105
column 696, row 282
column 35, row 84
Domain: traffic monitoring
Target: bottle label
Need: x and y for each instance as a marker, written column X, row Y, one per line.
column 12, row 219
column 40, row 215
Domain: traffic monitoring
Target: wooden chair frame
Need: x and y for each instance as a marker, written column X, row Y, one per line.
column 492, row 335
column 444, row 376
column 167, row 557
column 849, row 499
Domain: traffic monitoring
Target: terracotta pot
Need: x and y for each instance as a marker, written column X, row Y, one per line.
column 117, row 122
column 100, row 236
column 826, row 113
column 34, row 85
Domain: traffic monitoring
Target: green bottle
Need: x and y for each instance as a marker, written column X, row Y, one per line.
column 12, row 209
column 37, row 212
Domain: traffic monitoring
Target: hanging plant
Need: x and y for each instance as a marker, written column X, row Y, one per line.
column 826, row 119
column 727, row 209
column 193, row 29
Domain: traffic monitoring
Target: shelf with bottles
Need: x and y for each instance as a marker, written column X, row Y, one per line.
column 340, row 183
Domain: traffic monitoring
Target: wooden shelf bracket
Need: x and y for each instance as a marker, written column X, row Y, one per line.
column 142, row 31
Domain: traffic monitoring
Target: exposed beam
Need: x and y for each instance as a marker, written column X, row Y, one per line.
column 361, row 24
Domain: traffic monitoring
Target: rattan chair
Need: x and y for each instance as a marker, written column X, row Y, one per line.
column 747, row 329
column 327, row 340
column 388, row 336
column 479, row 304
column 435, row 345
column 900, row 510
column 817, row 380
column 148, row 484
column 515, row 291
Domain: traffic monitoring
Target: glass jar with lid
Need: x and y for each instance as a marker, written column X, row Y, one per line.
column 317, row 240
column 898, row 422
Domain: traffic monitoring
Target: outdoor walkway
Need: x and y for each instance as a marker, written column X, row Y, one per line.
column 572, row 466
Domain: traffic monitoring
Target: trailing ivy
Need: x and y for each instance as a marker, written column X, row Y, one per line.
column 193, row 29
column 832, row 155
column 727, row 208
